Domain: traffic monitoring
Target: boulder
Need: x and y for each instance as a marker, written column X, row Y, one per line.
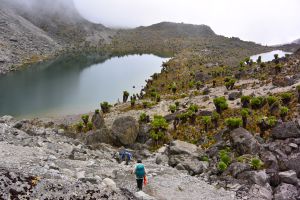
column 110, row 184
column 289, row 177
column 125, row 130
column 144, row 133
column 143, row 196
column 286, row 130
column 286, row 192
column 161, row 159
column 6, row 118
column 98, row 120
column 188, row 163
column 244, row 142
column 234, row 95
column 102, row 135
column 180, row 147
column 258, row 192
column 236, row 168
column 270, row 160
column 255, row 177
column 293, row 163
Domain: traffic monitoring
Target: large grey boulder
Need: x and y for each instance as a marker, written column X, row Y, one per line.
column 293, row 163
column 143, row 196
column 237, row 168
column 286, row 192
column 180, row 147
column 98, row 120
column 125, row 130
column 289, row 177
column 6, row 118
column 190, row 164
column 255, row 177
column 286, row 130
column 258, row 192
column 144, row 133
column 102, row 135
column 270, row 160
column 244, row 142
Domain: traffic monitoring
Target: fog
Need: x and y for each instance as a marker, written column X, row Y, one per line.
column 263, row 21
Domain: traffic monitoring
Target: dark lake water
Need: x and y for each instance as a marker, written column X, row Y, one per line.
column 269, row 56
column 72, row 85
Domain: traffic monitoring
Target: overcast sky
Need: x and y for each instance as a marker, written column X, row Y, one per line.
column 262, row 21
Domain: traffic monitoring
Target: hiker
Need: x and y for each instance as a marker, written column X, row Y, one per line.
column 140, row 173
column 125, row 155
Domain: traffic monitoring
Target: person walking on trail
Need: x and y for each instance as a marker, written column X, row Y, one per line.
column 123, row 155
column 140, row 173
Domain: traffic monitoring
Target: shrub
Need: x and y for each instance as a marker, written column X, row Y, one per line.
column 158, row 127
column 286, row 97
column 199, row 84
column 132, row 102
column 256, row 103
column 146, row 104
column 89, row 126
column 222, row 166
column 215, row 118
column 220, row 104
column 158, row 98
column 233, row 122
column 191, row 84
column 271, row 100
column 263, row 65
column 224, row 157
column 172, row 108
column 85, row 119
column 229, row 83
column 244, row 114
column 256, row 163
column 283, row 112
column 105, row 107
column 266, row 123
column 173, row 88
column 183, row 117
column 194, row 108
column 144, row 118
column 245, row 100
column 206, row 121
column 258, row 60
column 79, row 126
column 276, row 56
column 278, row 68
column 204, row 158
column 125, row 96
column 97, row 111
column 177, row 104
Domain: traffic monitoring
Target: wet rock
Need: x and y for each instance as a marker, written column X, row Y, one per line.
column 286, row 130
column 244, row 142
column 258, row 192
column 125, row 130
column 286, row 192
column 98, row 120
column 289, row 177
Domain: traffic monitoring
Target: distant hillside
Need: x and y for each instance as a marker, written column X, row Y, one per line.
column 199, row 41
column 296, row 41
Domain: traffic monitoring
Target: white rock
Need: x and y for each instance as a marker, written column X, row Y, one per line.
column 110, row 184
column 61, row 131
column 143, row 196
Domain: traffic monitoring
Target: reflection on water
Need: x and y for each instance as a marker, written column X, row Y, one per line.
column 269, row 56
column 73, row 85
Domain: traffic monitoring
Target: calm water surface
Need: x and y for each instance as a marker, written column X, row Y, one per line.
column 73, row 85
column 269, row 56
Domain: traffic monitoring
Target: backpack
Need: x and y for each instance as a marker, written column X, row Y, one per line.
column 140, row 171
